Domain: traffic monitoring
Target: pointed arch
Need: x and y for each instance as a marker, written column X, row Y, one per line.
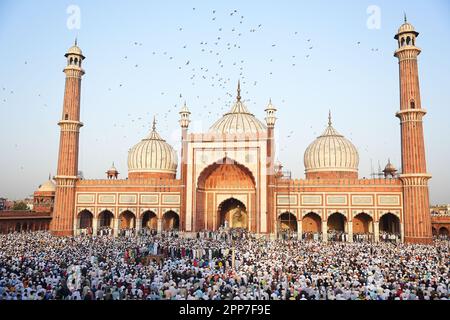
column 85, row 219
column 238, row 170
column 312, row 223
column 337, row 221
column 389, row 223
column 443, row 231
column 287, row 221
column 362, row 223
column 149, row 220
column 171, row 221
column 127, row 220
column 105, row 219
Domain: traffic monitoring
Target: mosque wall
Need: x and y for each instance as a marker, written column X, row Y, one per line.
column 118, row 196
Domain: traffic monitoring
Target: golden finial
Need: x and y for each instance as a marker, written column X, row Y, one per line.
column 239, row 91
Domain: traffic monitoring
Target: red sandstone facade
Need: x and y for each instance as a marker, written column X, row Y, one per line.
column 229, row 176
column 226, row 181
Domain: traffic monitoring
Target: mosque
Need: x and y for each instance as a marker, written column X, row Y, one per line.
column 229, row 176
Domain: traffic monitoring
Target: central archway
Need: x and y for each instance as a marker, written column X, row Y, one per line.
column 225, row 179
column 233, row 214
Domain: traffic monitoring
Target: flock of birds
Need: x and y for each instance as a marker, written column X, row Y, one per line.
column 224, row 50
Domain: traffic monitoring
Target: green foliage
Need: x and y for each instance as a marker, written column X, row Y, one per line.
column 20, row 205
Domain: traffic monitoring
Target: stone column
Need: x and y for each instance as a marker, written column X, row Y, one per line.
column 299, row 229
column 159, row 225
column 402, row 233
column 376, row 231
column 137, row 225
column 350, row 231
column 324, row 231
column 94, row 225
column 116, row 226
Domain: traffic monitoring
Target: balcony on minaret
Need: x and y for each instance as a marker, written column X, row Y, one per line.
column 75, row 58
column 270, row 115
column 406, row 38
column 184, row 117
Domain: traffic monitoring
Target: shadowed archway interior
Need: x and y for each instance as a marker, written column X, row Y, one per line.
column 233, row 214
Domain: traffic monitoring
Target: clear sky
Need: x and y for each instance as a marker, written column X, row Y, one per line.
column 137, row 66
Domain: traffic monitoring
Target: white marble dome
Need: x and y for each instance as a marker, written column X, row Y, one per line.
column 238, row 120
column 152, row 155
column 75, row 50
column 406, row 27
column 331, row 152
column 47, row 186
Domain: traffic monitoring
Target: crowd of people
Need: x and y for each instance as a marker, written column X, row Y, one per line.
column 222, row 265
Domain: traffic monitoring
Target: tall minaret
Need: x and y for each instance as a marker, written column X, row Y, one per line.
column 67, row 174
column 184, row 124
column 270, row 121
column 416, row 206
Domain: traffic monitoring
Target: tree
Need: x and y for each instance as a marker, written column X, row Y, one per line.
column 20, row 205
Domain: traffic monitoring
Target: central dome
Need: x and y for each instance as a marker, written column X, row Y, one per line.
column 152, row 157
column 331, row 155
column 238, row 120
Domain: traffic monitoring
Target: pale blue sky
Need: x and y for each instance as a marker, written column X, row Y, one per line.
column 119, row 98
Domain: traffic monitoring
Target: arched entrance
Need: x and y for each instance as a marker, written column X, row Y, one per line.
column 362, row 225
column 105, row 219
column 149, row 220
column 233, row 214
column 171, row 221
column 337, row 222
column 228, row 179
column 390, row 223
column 389, row 227
column 85, row 219
column 127, row 220
column 337, row 227
column 312, row 223
column 443, row 232
column 287, row 225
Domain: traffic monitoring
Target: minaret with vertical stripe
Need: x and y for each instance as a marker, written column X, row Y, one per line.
column 270, row 121
column 67, row 173
column 184, row 124
column 416, row 214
